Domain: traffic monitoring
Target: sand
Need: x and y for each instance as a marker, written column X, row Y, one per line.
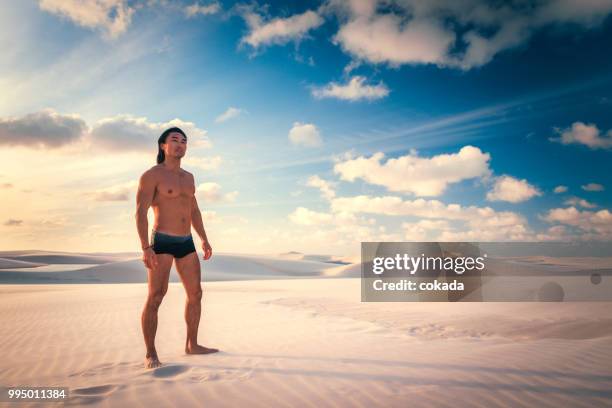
column 304, row 342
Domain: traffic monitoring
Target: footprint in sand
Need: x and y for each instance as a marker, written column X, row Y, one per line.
column 170, row 371
column 95, row 390
column 244, row 371
column 221, row 374
column 105, row 368
column 90, row 395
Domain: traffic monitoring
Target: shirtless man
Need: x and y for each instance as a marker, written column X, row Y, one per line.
column 170, row 190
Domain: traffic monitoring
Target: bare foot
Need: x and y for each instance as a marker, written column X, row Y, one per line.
column 152, row 362
column 197, row 349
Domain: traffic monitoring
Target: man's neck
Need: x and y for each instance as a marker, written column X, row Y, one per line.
column 172, row 164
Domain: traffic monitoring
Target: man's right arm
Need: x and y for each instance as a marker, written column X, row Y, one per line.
column 144, row 198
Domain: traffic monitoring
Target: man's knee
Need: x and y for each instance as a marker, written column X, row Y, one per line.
column 195, row 296
column 155, row 298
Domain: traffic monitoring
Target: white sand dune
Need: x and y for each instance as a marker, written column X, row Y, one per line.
column 50, row 257
column 305, row 342
column 338, row 260
column 6, row 263
column 219, row 268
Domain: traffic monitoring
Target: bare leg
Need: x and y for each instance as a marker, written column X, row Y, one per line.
column 158, row 286
column 188, row 269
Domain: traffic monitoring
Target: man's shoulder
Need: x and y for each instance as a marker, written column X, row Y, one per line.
column 151, row 173
column 187, row 173
column 155, row 169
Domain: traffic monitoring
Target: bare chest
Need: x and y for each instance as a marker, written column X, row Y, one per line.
column 175, row 186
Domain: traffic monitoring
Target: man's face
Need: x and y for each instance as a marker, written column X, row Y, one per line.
column 176, row 145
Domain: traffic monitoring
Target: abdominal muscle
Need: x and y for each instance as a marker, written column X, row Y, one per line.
column 172, row 215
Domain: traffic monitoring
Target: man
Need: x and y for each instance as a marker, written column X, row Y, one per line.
column 170, row 190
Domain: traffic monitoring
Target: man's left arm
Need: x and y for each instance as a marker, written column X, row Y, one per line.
column 196, row 220
column 198, row 225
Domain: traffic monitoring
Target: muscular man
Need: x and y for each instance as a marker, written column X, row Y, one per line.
column 170, row 190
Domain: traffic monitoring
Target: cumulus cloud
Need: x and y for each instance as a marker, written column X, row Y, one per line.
column 424, row 230
column 305, row 134
column 422, row 176
column 468, row 222
column 475, row 223
column 278, row 30
column 592, row 187
column 588, row 135
column 327, row 191
column 138, row 133
column 304, row 216
column 337, row 227
column 596, row 224
column 42, row 129
column 560, row 189
column 393, row 205
column 111, row 16
column 50, row 129
column 230, row 113
column 118, row 192
column 211, row 193
column 507, row 188
column 355, row 89
column 384, row 38
column 577, row 201
column 464, row 34
column 199, row 9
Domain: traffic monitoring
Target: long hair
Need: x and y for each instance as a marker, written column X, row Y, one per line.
column 161, row 156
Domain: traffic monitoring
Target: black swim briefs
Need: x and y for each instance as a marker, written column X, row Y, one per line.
column 176, row 245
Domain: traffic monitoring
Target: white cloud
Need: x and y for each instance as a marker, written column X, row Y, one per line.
column 596, row 223
column 304, row 216
column 305, row 134
column 393, row 205
column 560, row 189
column 588, row 135
column 230, row 113
column 46, row 128
column 332, row 230
column 279, row 30
column 119, row 192
column 507, row 188
column 418, row 32
column 50, row 129
column 196, row 8
column 592, row 187
column 211, row 192
column 423, row 230
column 127, row 132
column 421, row 176
column 470, row 223
column 577, row 201
column 384, row 38
column 111, row 16
column 354, row 90
column 325, row 186
column 555, row 233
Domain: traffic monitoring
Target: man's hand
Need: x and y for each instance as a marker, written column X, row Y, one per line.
column 149, row 257
column 207, row 250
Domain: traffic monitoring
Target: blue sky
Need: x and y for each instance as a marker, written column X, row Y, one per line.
column 318, row 90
